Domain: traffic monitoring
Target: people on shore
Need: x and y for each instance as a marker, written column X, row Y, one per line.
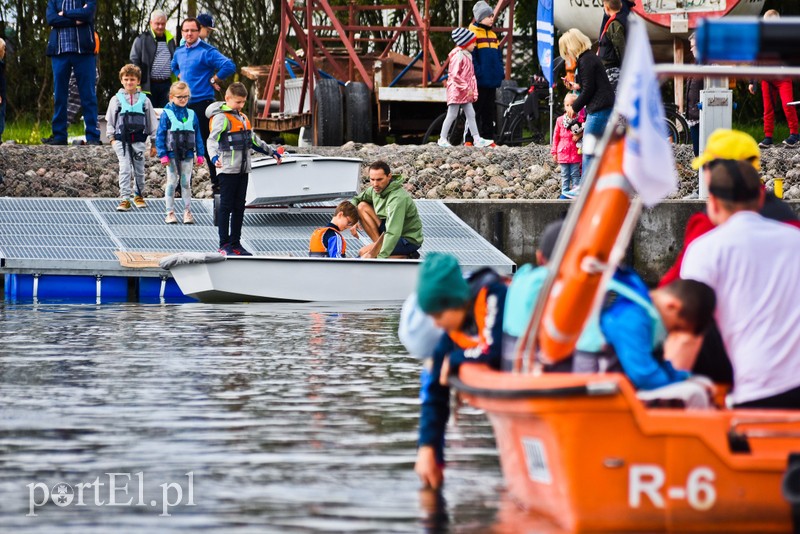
column 179, row 144
column 74, row 109
column 611, row 44
column 564, row 147
column 387, row 214
column 327, row 241
column 770, row 89
column 206, row 25
column 152, row 52
column 229, row 145
column 202, row 67
column 489, row 70
column 462, row 88
column 694, row 84
column 471, row 314
column 130, row 120
column 71, row 47
column 594, row 90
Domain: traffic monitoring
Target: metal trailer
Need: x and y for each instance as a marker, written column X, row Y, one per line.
column 356, row 87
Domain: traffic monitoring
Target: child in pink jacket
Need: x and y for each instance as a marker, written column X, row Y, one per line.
column 565, row 151
column 462, row 88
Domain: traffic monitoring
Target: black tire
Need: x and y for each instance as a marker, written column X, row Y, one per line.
column 683, row 129
column 456, row 136
column 505, row 97
column 672, row 132
column 358, row 109
column 327, row 113
column 520, row 136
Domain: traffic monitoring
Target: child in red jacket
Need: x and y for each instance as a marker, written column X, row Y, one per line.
column 564, row 149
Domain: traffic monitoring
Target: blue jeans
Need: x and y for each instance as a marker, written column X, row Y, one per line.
column 85, row 69
column 570, row 176
column 595, row 125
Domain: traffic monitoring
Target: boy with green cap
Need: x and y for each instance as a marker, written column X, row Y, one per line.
column 471, row 314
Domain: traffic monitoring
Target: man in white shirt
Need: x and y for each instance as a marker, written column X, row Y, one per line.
column 752, row 263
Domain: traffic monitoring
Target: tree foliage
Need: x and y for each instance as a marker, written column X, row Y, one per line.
column 248, row 32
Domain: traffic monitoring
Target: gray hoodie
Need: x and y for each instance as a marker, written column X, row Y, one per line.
column 233, row 161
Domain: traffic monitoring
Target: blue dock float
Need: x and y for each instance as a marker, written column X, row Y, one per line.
column 82, row 249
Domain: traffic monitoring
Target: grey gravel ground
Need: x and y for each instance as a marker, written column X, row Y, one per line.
column 430, row 171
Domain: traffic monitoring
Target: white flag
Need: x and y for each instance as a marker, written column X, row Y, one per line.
column 647, row 162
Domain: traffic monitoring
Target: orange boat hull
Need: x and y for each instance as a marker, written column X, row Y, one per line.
column 606, row 463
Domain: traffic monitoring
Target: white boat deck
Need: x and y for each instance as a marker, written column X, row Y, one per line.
column 81, row 236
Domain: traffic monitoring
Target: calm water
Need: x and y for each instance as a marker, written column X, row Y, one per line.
column 288, row 418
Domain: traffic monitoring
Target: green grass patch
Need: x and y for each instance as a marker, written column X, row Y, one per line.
column 27, row 131
column 756, row 130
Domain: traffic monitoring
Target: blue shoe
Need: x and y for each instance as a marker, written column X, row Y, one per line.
column 225, row 249
column 239, row 250
column 562, row 196
column 791, row 141
column 766, row 143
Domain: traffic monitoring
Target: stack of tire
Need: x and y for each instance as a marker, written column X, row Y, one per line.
column 341, row 114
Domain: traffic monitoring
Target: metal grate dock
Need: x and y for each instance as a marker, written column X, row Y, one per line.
column 80, row 236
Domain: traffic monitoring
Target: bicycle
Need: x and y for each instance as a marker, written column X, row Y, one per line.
column 677, row 127
column 522, row 116
column 521, row 122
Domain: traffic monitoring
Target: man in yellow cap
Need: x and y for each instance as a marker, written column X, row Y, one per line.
column 707, row 356
column 751, row 262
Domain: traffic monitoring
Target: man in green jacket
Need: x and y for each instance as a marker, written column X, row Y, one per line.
column 386, row 209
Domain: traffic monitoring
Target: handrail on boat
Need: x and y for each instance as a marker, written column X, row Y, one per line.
column 592, row 389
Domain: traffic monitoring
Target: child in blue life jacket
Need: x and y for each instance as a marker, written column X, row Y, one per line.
column 327, row 241
column 179, row 144
column 131, row 120
column 471, row 314
column 229, row 144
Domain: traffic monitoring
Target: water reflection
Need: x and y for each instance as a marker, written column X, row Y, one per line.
column 290, row 418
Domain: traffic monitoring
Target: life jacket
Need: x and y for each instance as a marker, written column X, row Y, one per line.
column 180, row 136
column 317, row 247
column 132, row 126
column 480, row 281
column 239, row 136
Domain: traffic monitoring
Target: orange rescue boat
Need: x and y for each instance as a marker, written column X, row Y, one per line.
column 583, row 450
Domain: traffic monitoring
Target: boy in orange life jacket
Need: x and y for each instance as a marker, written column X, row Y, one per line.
column 327, row 241
column 471, row 314
column 229, row 144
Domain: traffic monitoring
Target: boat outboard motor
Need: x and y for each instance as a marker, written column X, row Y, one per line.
column 791, row 488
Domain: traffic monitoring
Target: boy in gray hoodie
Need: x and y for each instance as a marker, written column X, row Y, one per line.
column 229, row 144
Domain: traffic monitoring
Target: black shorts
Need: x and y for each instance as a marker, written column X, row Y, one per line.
column 404, row 247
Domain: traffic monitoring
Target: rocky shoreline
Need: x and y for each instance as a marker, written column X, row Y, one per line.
column 430, row 171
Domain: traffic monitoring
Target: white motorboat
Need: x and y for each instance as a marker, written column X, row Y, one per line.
column 214, row 278
column 302, row 178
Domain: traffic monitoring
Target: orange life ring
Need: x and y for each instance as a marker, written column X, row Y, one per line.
column 600, row 222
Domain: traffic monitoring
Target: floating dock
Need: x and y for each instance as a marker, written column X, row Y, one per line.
column 83, row 249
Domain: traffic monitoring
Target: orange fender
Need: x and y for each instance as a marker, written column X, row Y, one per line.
column 570, row 300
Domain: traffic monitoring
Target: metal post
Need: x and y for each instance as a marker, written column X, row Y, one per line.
column 551, row 114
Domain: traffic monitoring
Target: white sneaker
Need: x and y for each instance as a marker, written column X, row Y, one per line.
column 573, row 193
column 444, row 143
column 483, row 143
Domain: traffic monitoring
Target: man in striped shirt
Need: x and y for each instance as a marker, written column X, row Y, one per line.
column 152, row 52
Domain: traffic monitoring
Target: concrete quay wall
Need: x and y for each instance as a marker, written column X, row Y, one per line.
column 514, row 226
